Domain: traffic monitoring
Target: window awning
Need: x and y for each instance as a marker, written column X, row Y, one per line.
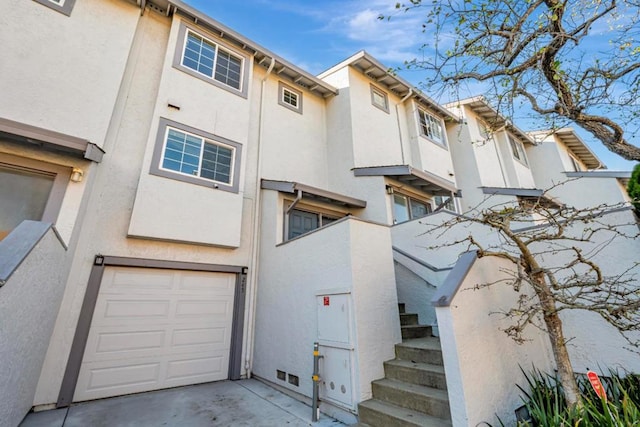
column 521, row 192
column 313, row 193
column 47, row 139
column 422, row 180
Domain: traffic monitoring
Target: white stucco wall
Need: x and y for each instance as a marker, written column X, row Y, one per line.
column 29, row 303
column 106, row 223
column 376, row 138
column 481, row 362
column 335, row 259
column 53, row 55
column 478, row 357
column 294, row 144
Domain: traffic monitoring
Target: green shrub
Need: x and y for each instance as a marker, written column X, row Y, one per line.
column 544, row 399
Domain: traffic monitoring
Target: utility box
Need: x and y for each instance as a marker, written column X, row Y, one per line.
column 335, row 338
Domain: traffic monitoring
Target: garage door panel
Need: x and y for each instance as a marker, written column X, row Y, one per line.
column 120, row 309
column 217, row 338
column 221, row 285
column 131, row 279
column 200, row 369
column 106, row 379
column 146, row 340
column 111, row 343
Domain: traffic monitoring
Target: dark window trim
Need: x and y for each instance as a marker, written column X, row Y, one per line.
column 372, row 89
column 70, row 379
column 281, row 88
column 177, row 60
column 159, row 145
column 65, row 9
column 321, row 212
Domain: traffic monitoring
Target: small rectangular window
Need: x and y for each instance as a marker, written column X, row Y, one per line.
column 187, row 154
column 517, row 150
column 290, row 97
column 431, row 127
column 379, row 99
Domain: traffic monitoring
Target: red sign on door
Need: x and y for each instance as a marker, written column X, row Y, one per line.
column 325, row 300
column 597, row 385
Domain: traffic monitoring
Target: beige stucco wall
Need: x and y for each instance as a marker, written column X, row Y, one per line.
column 53, row 55
column 29, row 303
column 165, row 208
column 106, row 224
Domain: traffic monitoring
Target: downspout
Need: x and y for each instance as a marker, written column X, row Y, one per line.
column 295, row 201
column 255, row 248
column 407, row 96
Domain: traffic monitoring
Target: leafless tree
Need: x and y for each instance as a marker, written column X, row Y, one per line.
column 570, row 60
column 553, row 251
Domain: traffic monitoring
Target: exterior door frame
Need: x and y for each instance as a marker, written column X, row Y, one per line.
column 68, row 387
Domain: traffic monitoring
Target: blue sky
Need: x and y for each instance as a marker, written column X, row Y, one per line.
column 316, row 35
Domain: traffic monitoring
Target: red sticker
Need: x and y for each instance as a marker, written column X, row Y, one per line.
column 325, row 300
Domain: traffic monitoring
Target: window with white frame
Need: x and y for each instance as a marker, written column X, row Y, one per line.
column 575, row 163
column 517, row 150
column 446, row 202
column 191, row 155
column 210, row 61
column 379, row 99
column 406, row 208
column 431, row 127
column 62, row 6
column 289, row 97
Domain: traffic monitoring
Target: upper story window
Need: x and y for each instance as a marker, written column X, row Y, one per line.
column 431, row 127
column 210, row 61
column 406, row 208
column 517, row 150
column 62, row 6
column 575, row 164
column 190, row 155
column 290, row 97
column 379, row 99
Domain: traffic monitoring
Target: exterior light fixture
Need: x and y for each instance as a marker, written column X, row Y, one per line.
column 76, row 175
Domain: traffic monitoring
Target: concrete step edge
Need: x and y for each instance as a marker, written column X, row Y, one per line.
column 407, row 417
column 424, row 391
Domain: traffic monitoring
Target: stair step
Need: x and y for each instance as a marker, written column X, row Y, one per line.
column 380, row 414
column 424, row 350
column 427, row 400
column 416, row 373
column 408, row 319
column 415, row 331
column 401, row 308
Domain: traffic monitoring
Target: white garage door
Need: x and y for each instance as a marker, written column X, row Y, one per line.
column 154, row 329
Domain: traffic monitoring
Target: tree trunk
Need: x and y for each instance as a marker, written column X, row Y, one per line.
column 558, row 343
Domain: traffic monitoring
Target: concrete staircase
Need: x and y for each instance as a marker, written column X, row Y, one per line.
column 414, row 390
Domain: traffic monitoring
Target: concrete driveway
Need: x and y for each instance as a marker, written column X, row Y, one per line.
column 225, row 403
